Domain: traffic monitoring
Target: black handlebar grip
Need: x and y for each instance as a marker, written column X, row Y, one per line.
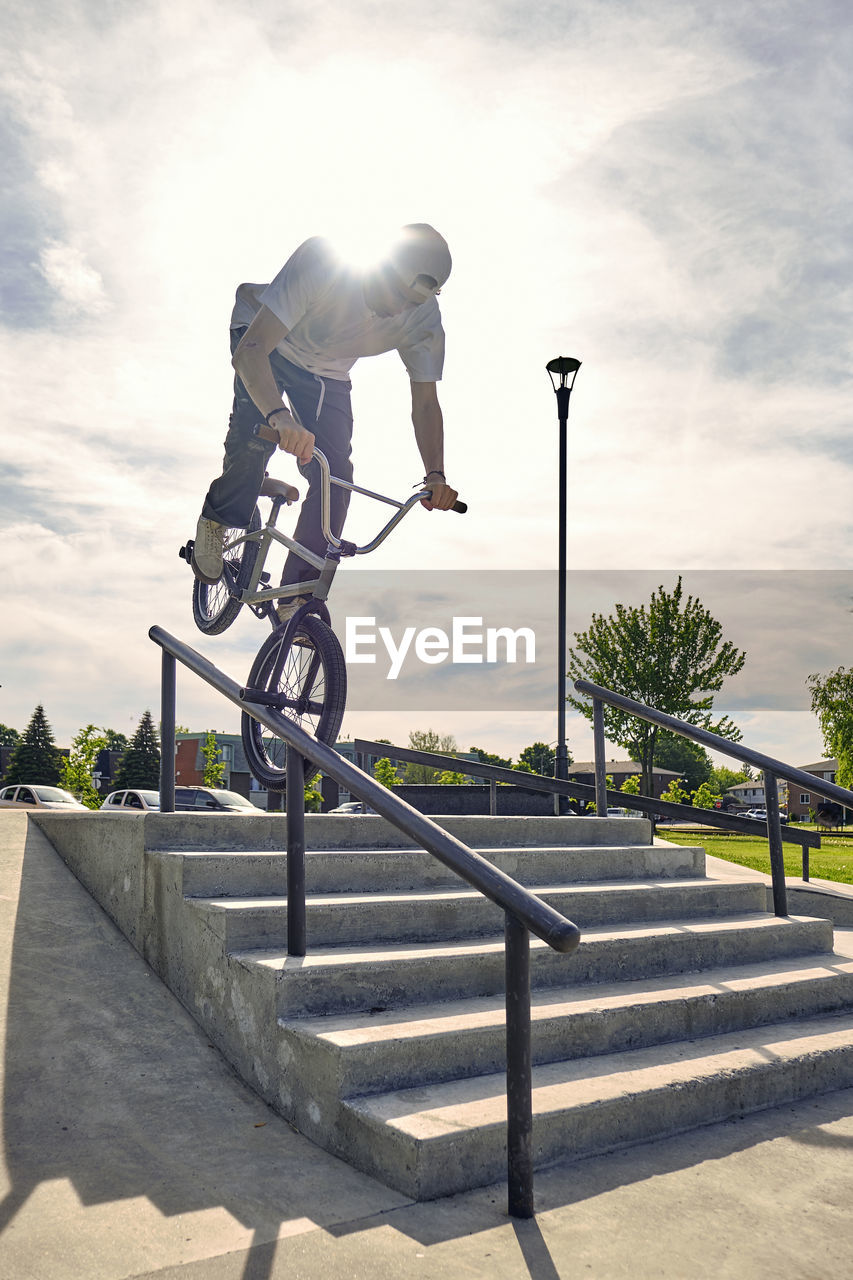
column 263, row 432
column 461, row 507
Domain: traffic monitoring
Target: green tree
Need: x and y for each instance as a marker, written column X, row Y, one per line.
column 447, row 778
column 722, row 779
column 79, row 764
column 631, row 785
column 214, row 766
column 8, row 737
column 669, row 655
column 140, row 764
column 704, row 797
column 114, row 741
column 832, row 703
column 385, row 773
column 35, row 757
column 675, row 793
column 428, row 740
column 313, row 799
column 487, row 757
column 540, row 759
column 688, row 759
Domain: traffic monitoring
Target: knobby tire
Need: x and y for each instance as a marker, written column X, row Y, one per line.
column 214, row 608
column 312, row 677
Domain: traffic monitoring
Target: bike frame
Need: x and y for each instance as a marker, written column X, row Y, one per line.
column 337, row 548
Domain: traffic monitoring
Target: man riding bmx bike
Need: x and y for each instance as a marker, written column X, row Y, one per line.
column 297, row 339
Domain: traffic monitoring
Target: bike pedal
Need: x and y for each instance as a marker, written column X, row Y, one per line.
column 186, row 552
column 265, row 577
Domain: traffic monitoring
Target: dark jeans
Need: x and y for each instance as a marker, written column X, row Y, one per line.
column 322, row 405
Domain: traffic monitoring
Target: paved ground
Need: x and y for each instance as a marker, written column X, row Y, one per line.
column 131, row 1150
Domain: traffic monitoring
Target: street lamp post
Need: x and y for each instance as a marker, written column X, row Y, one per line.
column 562, row 371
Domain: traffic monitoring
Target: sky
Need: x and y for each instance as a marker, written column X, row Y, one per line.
column 657, row 187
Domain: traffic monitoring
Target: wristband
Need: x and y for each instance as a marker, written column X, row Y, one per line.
column 281, row 409
column 435, row 473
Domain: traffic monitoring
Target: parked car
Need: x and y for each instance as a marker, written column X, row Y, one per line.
column 212, row 800
column 350, row 807
column 760, row 815
column 618, row 813
column 133, row 801
column 38, row 797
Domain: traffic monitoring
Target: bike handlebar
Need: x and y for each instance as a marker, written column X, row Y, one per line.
column 265, row 432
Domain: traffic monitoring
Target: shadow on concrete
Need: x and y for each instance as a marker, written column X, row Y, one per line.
column 572, row 1183
column 534, row 1250
column 110, row 1085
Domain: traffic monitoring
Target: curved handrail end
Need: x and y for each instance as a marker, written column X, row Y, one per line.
column 564, row 938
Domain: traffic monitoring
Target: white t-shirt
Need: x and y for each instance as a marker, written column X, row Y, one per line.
column 330, row 325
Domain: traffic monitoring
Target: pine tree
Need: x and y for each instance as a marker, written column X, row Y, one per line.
column 140, row 764
column 35, row 758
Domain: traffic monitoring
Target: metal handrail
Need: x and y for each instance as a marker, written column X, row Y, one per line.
column 583, row 791
column 771, row 768
column 745, row 754
column 522, row 909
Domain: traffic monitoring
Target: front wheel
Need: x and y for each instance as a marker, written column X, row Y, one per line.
column 214, row 608
column 308, row 678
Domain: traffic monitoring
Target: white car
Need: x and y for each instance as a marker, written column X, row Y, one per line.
column 38, row 797
column 132, row 802
column 351, row 807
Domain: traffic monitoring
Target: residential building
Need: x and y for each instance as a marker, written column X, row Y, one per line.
column 751, row 794
column 803, row 803
column 189, row 765
column 619, row 770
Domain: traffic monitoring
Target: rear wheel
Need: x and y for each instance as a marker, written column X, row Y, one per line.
column 308, row 679
column 214, row 608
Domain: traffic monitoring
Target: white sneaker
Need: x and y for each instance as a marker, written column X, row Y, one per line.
column 285, row 609
column 207, row 551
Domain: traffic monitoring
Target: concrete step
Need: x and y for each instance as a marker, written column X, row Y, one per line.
column 433, row 1141
column 258, row 872
column 361, row 1054
column 264, row 831
column 330, row 980
column 348, row 919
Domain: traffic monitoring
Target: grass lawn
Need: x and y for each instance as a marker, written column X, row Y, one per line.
column 832, row 861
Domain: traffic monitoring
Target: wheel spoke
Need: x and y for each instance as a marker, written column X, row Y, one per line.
column 308, row 680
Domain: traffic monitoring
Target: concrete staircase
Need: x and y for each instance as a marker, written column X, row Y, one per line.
column 686, row 1003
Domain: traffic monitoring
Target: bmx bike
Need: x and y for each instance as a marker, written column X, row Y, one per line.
column 300, row 668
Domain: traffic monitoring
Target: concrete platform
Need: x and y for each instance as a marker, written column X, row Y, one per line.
column 131, row 1150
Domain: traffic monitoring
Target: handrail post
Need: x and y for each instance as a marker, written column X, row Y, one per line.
column 493, row 797
column 519, row 1077
column 296, row 940
column 600, row 761
column 168, row 686
column 774, row 839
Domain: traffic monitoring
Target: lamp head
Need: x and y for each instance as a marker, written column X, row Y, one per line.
column 562, row 367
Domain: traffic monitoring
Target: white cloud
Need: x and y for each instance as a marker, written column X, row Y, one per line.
column 654, row 188
column 79, row 287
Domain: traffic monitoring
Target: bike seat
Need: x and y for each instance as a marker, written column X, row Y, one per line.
column 279, row 489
